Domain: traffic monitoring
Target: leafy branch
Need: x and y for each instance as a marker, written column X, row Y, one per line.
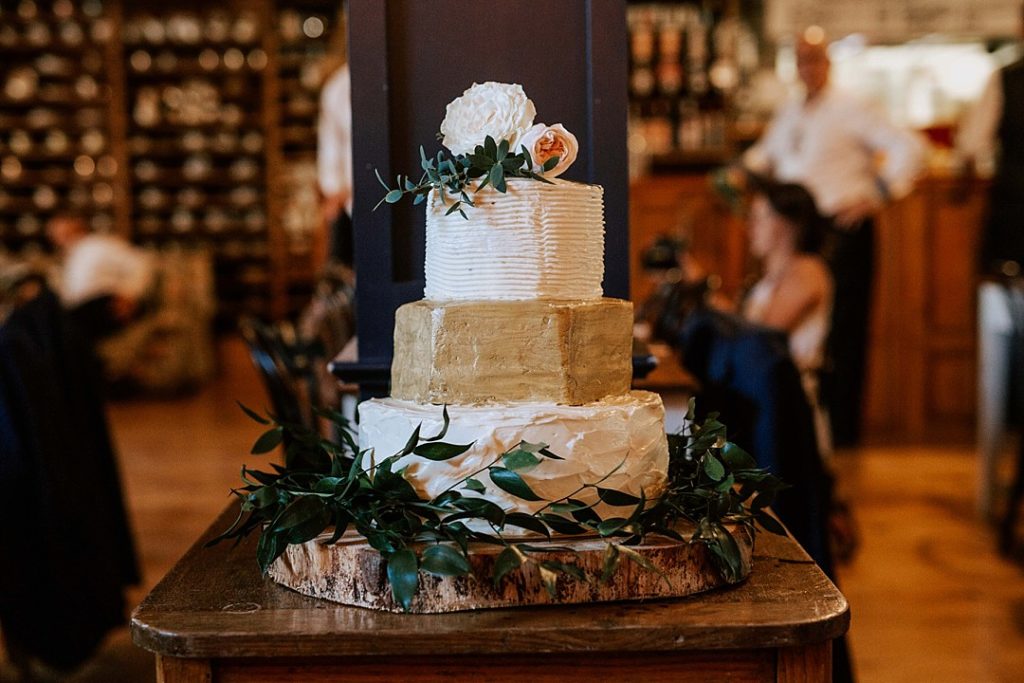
column 452, row 175
column 326, row 484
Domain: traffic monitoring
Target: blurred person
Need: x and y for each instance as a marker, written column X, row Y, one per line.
column 794, row 294
column 992, row 135
column 104, row 280
column 829, row 142
column 334, row 150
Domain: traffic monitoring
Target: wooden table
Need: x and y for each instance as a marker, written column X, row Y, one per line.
column 214, row 618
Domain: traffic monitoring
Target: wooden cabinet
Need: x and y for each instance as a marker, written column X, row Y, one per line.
column 922, row 360
column 922, row 365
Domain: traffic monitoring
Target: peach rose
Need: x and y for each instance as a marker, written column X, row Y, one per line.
column 544, row 142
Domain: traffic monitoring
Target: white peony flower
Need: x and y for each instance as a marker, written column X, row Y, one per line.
column 543, row 142
column 501, row 110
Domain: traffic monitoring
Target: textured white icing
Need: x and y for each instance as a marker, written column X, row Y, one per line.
column 536, row 241
column 594, row 439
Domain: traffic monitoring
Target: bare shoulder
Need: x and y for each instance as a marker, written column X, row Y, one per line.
column 811, row 272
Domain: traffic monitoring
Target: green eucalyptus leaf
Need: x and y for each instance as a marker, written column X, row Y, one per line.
column 480, row 508
column 253, row 414
column 568, row 507
column 510, row 558
column 726, row 553
column 737, row 458
column 269, row 548
column 413, row 441
column 519, row 460
column 612, row 526
column 618, row 498
column 549, row 164
column 327, row 484
column 403, row 575
column 527, row 159
column 443, row 560
column 769, row 523
column 393, row 196
column 303, row 519
column 567, row 568
column 510, row 482
column 713, row 467
column 611, row 562
column 528, row 522
column 446, row 498
column 475, row 485
column 550, row 579
column 561, row 525
column 490, row 147
column 265, row 497
column 548, row 454
column 446, row 420
column 264, row 478
column 585, row 513
column 497, row 177
column 763, row 500
column 637, row 558
column 268, row 441
column 340, row 520
column 726, row 484
column 439, row 451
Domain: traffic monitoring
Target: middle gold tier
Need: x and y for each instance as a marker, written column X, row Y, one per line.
column 469, row 352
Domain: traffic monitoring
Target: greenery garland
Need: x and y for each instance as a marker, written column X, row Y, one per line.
column 325, row 483
column 491, row 163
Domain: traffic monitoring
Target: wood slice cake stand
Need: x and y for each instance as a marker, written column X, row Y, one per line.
column 352, row 573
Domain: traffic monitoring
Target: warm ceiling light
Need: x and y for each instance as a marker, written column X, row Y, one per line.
column 313, row 27
column 814, row 35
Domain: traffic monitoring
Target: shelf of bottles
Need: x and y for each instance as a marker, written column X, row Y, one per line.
column 195, row 141
column 55, row 151
column 690, row 67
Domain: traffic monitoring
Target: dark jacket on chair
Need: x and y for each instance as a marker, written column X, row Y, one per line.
column 748, row 376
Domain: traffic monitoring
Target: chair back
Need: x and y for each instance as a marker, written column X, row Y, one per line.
column 268, row 354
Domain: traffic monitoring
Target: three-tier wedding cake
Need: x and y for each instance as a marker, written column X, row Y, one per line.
column 514, row 334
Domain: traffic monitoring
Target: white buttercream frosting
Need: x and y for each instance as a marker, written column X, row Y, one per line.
column 536, row 241
column 624, row 431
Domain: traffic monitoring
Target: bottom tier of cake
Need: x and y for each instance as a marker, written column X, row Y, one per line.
column 622, row 435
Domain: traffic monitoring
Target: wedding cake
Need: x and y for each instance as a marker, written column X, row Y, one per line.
column 514, row 336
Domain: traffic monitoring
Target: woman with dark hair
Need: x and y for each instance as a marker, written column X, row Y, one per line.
column 794, row 294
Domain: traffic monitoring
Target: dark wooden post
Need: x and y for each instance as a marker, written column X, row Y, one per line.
column 408, row 60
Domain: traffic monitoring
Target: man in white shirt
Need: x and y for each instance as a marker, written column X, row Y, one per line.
column 104, row 279
column 334, row 162
column 830, row 143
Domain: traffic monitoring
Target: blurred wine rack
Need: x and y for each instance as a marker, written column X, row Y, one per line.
column 181, row 123
column 692, row 65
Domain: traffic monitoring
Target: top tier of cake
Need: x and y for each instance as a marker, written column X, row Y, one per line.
column 536, row 241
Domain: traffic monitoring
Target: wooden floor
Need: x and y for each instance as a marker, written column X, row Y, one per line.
column 931, row 601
